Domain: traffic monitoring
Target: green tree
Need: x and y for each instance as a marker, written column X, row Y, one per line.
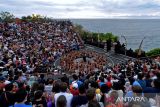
column 37, row 17
column 29, row 18
column 7, row 17
column 153, row 52
column 115, row 38
column 24, row 18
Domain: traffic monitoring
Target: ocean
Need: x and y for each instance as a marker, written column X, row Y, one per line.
column 133, row 29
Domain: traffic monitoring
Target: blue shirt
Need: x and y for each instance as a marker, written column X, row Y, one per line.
column 21, row 105
column 142, row 83
column 101, row 83
column 136, row 83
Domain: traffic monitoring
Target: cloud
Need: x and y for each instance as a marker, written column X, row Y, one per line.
column 84, row 8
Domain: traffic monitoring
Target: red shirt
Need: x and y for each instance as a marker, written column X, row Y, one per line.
column 74, row 91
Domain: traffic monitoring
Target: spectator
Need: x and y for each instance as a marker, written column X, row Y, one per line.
column 21, row 98
column 33, row 89
column 74, row 89
column 150, row 92
column 39, row 100
column 138, row 93
column 49, row 86
column 63, row 91
column 91, row 95
column 81, row 99
column 111, row 100
column 141, row 81
column 118, row 87
column 104, row 90
column 7, row 98
column 30, row 48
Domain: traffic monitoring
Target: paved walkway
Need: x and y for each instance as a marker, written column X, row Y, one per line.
column 111, row 56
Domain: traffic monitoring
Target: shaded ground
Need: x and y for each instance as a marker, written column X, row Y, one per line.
column 111, row 56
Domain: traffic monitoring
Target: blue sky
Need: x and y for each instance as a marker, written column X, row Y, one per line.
column 84, row 8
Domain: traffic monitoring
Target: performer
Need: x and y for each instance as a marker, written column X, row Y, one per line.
column 84, row 58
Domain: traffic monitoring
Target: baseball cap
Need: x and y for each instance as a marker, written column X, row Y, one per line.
column 75, row 85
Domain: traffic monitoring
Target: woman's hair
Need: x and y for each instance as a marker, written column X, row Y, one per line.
column 117, row 85
column 41, row 87
column 56, row 87
column 63, row 87
column 140, row 76
column 94, row 84
column 137, row 89
column 82, row 89
column 34, row 86
column 157, row 83
column 20, row 95
column 90, row 94
column 104, row 88
column 38, row 94
column 9, row 87
column 61, row 101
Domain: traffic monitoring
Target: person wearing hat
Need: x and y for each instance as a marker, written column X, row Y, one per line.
column 127, row 86
column 74, row 89
column 80, row 99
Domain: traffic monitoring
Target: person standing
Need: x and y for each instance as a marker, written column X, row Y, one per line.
column 63, row 91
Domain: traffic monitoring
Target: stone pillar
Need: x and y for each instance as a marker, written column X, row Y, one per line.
column 105, row 47
column 113, row 47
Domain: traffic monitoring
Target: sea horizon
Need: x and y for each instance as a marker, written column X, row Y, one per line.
column 133, row 29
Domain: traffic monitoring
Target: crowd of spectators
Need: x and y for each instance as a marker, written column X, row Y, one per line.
column 83, row 61
column 26, row 46
column 110, row 88
column 35, row 45
column 157, row 60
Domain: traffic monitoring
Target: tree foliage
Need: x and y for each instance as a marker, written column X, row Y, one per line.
column 153, row 52
column 7, row 17
column 103, row 37
column 34, row 18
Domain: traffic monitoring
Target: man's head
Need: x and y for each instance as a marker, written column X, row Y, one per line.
column 82, row 89
column 91, row 94
column 38, row 94
column 137, row 90
column 63, row 87
column 140, row 76
column 9, row 87
column 75, row 77
column 155, row 83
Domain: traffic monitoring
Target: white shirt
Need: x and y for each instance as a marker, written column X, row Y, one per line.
column 68, row 98
column 120, row 93
column 48, row 88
